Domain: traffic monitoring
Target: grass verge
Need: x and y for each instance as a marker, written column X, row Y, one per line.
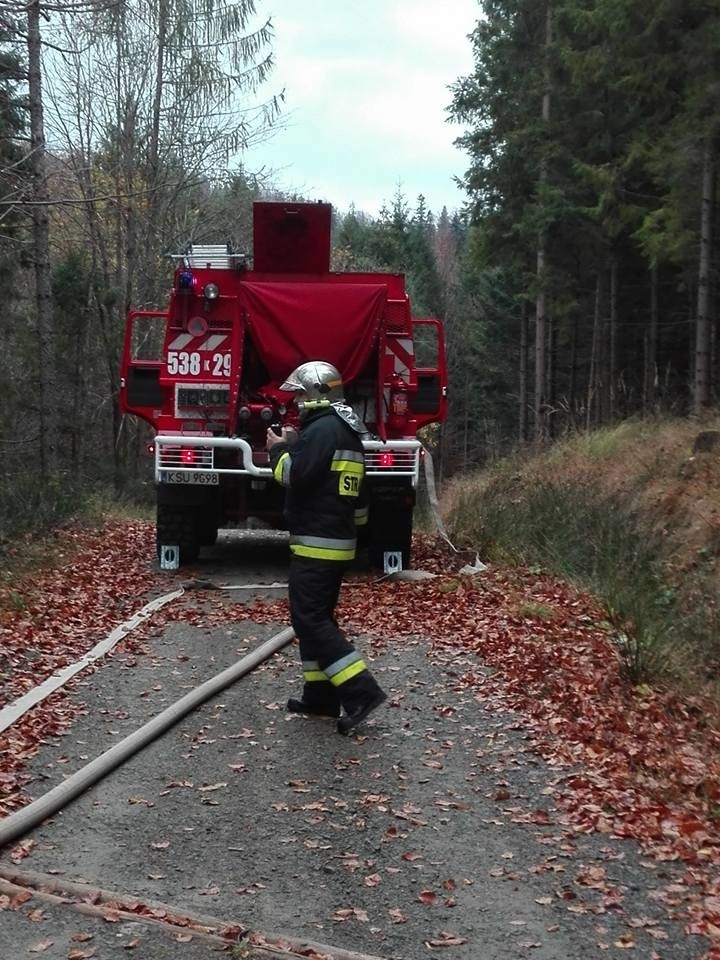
column 617, row 514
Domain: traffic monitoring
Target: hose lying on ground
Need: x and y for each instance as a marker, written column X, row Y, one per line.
column 18, row 708
column 21, row 822
column 74, row 895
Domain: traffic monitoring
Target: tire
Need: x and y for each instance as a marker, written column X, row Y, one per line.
column 389, row 531
column 207, row 531
column 177, row 526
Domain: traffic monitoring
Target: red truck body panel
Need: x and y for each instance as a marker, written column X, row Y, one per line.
column 206, row 373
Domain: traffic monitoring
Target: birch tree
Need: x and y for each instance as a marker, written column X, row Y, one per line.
column 150, row 107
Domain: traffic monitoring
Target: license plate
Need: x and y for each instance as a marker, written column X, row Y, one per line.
column 205, row 477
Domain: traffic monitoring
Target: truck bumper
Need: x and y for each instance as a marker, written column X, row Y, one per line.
column 190, row 461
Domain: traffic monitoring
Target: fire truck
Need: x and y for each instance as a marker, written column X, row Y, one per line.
column 205, row 374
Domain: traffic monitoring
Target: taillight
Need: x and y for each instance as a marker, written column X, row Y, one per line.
column 150, row 449
column 387, row 459
column 187, row 455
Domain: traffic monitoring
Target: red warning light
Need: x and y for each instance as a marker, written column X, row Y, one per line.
column 188, row 456
column 387, row 459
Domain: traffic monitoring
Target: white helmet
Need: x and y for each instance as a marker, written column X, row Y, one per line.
column 318, row 380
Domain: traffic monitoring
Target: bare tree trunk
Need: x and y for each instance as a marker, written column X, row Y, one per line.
column 540, row 333
column 713, row 339
column 650, row 378
column 466, row 425
column 592, row 373
column 572, row 385
column 602, row 352
column 612, row 357
column 47, row 386
column 523, row 411
column 78, row 391
column 125, row 236
column 540, row 325
column 550, row 378
column 153, row 231
column 702, row 384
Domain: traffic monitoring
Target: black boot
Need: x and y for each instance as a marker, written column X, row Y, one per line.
column 353, row 717
column 313, row 709
column 319, row 699
column 360, row 696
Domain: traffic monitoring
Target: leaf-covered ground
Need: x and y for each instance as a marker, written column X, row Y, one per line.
column 631, row 762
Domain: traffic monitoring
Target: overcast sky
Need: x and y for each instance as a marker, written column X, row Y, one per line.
column 366, row 91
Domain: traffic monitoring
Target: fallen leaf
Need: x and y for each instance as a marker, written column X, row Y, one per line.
column 41, row 946
column 349, row 913
column 21, row 850
column 626, row 942
column 445, row 939
column 427, row 897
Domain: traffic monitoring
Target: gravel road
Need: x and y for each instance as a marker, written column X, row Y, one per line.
column 428, row 833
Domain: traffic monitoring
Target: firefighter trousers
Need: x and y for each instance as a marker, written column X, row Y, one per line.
column 334, row 673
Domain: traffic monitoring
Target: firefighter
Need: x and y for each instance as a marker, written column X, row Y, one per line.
column 322, row 470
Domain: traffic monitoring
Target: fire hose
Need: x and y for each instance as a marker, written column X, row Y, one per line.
column 24, row 820
column 13, row 711
column 21, row 822
column 433, row 499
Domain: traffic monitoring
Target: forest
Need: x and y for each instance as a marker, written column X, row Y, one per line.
column 578, row 283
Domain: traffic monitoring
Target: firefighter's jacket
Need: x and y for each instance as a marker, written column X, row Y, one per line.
column 323, row 473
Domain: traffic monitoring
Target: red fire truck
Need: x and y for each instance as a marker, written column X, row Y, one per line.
column 205, row 374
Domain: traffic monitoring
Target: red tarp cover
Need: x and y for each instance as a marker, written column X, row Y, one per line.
column 293, row 322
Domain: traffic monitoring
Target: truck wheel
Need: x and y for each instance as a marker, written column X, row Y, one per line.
column 176, row 526
column 207, row 530
column 390, row 531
